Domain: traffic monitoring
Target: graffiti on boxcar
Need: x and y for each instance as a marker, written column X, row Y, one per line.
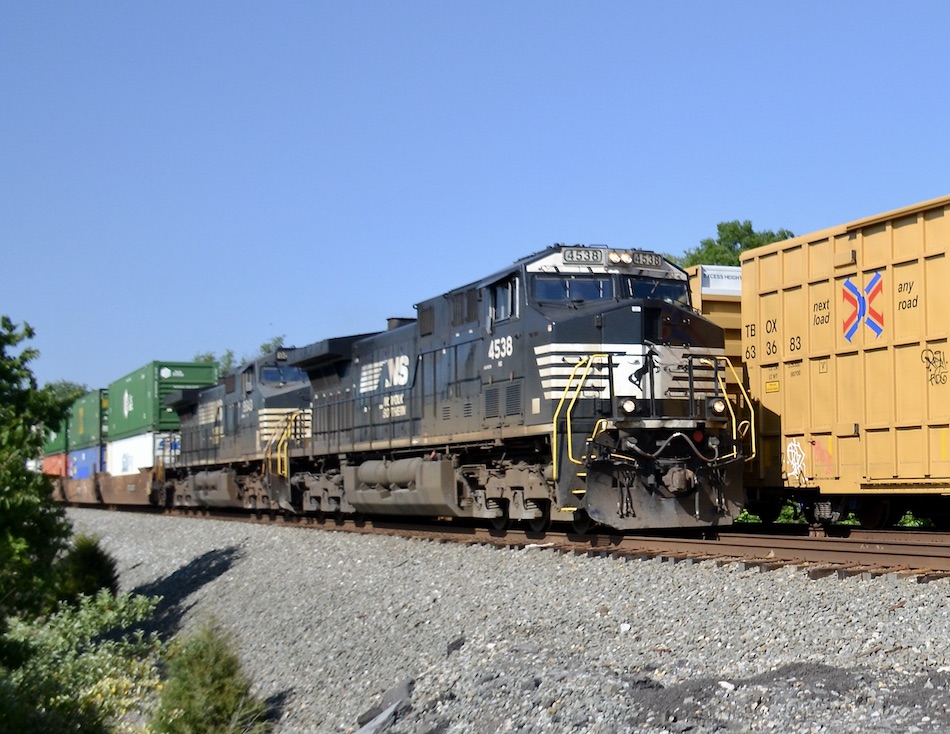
column 822, row 458
column 936, row 363
column 795, row 460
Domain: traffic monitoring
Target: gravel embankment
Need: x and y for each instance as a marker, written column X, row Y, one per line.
column 532, row 641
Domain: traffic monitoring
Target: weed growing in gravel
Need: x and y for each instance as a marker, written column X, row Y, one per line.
column 206, row 691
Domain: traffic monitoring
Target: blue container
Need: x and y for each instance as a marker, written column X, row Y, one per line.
column 84, row 463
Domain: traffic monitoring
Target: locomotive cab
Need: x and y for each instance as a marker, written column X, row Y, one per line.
column 253, row 419
column 644, row 433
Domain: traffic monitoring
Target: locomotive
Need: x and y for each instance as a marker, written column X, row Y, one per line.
column 578, row 384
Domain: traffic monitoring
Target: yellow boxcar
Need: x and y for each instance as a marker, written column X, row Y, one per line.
column 844, row 338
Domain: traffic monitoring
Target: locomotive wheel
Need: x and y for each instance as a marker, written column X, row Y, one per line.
column 582, row 522
column 503, row 521
column 540, row 524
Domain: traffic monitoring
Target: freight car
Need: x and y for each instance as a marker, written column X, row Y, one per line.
column 844, row 338
column 577, row 384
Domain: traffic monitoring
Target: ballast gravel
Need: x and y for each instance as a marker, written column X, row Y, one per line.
column 346, row 633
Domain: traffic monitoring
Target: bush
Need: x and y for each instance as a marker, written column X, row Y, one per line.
column 790, row 514
column 85, row 569
column 205, row 690
column 82, row 669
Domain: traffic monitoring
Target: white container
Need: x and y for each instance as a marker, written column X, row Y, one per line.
column 131, row 455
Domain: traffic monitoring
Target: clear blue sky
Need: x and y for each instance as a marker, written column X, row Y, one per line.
column 178, row 177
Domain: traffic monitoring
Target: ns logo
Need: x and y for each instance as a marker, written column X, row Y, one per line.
column 393, row 372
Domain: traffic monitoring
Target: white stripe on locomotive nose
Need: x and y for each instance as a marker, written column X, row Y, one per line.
column 588, row 349
column 558, row 367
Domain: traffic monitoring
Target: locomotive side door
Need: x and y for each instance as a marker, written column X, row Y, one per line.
column 502, row 356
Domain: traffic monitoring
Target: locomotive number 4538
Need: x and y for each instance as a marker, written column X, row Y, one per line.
column 500, row 348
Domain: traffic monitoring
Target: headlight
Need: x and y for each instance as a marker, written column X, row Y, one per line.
column 716, row 408
column 614, row 257
column 629, row 406
column 626, row 258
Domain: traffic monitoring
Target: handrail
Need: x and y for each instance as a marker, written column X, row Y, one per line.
column 737, row 425
column 575, row 384
column 587, row 363
column 280, row 441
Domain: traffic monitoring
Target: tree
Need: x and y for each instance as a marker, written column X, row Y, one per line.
column 226, row 361
column 67, row 391
column 732, row 239
column 32, row 529
column 273, row 345
column 81, row 667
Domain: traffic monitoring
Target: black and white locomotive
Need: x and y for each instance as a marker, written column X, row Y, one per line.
column 577, row 384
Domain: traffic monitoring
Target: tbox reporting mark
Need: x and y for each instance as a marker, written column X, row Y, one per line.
column 863, row 307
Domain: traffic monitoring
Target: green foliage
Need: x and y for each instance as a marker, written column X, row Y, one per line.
column 910, row 520
column 732, row 239
column 206, row 690
column 32, row 529
column 226, row 362
column 85, row 569
column 790, row 514
column 66, row 391
column 81, row 670
column 273, row 344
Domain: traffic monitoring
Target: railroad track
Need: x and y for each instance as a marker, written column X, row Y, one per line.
column 837, row 550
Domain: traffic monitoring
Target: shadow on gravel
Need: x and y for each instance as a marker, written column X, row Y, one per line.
column 177, row 587
column 700, row 703
column 276, row 705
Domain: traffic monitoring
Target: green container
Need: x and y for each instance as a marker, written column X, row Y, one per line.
column 136, row 402
column 55, row 440
column 88, row 420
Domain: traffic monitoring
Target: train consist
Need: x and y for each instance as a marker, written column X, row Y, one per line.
column 577, row 384
column 597, row 386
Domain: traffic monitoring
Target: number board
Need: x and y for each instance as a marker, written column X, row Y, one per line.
column 584, row 255
column 598, row 256
column 646, row 259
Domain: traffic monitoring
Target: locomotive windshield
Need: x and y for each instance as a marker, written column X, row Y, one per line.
column 672, row 291
column 563, row 288
column 572, row 288
column 279, row 375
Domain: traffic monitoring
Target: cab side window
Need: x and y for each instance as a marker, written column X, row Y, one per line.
column 504, row 300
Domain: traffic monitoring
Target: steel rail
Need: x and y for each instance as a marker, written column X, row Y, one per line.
column 838, row 548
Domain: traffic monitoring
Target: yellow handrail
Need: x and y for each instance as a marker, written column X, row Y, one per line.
column 736, row 425
column 587, row 363
column 576, row 383
column 280, row 441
